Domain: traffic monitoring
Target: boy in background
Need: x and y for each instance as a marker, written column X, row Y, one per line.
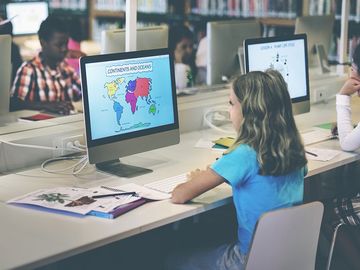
column 47, row 82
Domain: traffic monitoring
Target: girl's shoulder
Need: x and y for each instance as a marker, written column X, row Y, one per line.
column 243, row 150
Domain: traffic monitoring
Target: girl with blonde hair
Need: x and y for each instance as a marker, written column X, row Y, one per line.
column 265, row 167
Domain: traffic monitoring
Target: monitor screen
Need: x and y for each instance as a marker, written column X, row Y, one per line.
column 27, row 16
column 318, row 30
column 154, row 37
column 5, row 73
column 129, row 103
column 288, row 55
column 224, row 40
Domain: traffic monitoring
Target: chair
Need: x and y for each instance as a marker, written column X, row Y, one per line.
column 344, row 238
column 286, row 238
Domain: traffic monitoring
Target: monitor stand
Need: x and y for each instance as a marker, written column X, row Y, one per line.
column 117, row 168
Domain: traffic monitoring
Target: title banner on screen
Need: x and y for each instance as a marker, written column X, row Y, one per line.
column 118, row 70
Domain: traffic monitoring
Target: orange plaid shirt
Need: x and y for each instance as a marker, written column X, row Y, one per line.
column 36, row 82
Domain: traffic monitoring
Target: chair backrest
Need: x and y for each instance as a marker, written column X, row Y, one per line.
column 286, row 238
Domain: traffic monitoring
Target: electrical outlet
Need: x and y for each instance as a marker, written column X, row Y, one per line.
column 63, row 142
column 321, row 94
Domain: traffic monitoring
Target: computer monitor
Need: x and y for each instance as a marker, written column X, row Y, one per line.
column 224, row 39
column 27, row 16
column 5, row 73
column 288, row 55
column 319, row 30
column 154, row 37
column 130, row 106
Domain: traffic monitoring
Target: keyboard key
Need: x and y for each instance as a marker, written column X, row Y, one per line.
column 167, row 185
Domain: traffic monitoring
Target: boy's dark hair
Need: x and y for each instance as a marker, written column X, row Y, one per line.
column 356, row 57
column 51, row 25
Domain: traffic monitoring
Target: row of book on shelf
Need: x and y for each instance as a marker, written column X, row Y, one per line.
column 321, row 7
column 68, row 4
column 246, row 8
column 158, row 6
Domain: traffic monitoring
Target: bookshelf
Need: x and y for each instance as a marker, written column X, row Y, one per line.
column 322, row 7
column 108, row 14
column 76, row 12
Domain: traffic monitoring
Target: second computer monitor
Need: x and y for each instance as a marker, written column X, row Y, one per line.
column 155, row 37
column 27, row 16
column 5, row 73
column 288, row 55
column 224, row 39
column 318, row 30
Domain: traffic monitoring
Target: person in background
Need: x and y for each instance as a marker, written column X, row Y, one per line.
column 201, row 55
column 265, row 167
column 74, row 50
column 181, row 45
column 345, row 208
column 16, row 60
column 47, row 82
column 348, row 135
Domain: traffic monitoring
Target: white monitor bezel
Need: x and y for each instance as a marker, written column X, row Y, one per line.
column 14, row 18
column 249, row 42
column 112, row 147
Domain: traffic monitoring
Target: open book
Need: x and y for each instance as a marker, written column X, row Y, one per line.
column 81, row 201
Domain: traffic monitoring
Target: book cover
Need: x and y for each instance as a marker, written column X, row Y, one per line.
column 37, row 117
column 119, row 210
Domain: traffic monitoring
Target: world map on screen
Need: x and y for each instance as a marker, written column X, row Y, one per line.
column 131, row 92
column 129, row 95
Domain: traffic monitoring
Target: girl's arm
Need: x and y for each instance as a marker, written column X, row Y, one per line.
column 348, row 136
column 200, row 182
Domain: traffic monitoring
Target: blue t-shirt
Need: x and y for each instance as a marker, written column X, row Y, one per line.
column 255, row 194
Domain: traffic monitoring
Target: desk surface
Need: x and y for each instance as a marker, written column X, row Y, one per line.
column 57, row 236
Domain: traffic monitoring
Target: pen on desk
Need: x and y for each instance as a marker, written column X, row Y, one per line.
column 113, row 194
column 311, row 153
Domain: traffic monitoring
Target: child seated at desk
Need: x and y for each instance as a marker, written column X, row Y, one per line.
column 345, row 209
column 47, row 82
column 265, row 167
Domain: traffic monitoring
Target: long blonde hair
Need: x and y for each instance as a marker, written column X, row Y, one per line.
column 268, row 125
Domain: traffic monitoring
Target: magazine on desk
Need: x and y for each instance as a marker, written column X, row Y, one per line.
column 106, row 202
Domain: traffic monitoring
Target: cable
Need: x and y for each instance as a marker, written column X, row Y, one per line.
column 78, row 144
column 221, row 113
column 36, row 146
column 61, row 171
column 75, row 172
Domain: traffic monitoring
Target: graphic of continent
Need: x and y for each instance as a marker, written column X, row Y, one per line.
column 132, row 100
column 111, row 88
column 120, row 80
column 152, row 109
column 118, row 109
column 142, row 87
column 130, row 87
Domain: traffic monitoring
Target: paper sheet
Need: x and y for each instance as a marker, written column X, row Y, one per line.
column 321, row 154
column 145, row 192
column 70, row 199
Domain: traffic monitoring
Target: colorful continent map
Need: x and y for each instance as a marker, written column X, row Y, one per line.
column 134, row 89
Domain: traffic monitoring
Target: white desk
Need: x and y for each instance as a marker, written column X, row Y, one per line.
column 31, row 238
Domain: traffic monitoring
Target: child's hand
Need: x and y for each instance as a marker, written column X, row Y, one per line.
column 350, row 87
column 193, row 174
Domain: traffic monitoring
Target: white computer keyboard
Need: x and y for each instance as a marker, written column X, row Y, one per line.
column 167, row 185
column 315, row 135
